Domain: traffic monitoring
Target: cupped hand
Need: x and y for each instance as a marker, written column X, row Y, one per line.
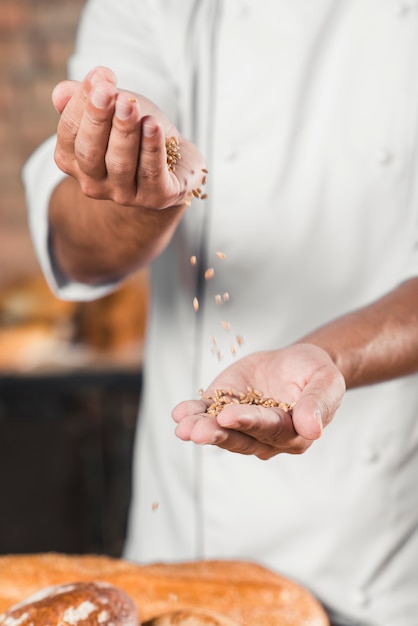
column 114, row 143
column 302, row 375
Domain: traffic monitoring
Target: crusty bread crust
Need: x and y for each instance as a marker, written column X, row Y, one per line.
column 242, row 592
column 75, row 604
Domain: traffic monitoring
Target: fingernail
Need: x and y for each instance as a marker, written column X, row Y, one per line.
column 99, row 99
column 123, row 110
column 99, row 74
column 318, row 417
column 149, row 129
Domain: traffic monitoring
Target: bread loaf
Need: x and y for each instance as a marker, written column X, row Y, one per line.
column 74, row 604
column 195, row 593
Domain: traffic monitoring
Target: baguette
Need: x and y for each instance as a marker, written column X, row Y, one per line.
column 237, row 592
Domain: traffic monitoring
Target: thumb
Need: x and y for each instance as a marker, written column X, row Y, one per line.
column 308, row 417
column 318, row 403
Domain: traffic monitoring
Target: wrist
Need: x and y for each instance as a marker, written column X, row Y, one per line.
column 344, row 357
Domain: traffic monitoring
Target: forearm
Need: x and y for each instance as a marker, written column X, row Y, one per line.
column 376, row 343
column 97, row 240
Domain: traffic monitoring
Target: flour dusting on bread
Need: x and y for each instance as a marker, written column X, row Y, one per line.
column 75, row 604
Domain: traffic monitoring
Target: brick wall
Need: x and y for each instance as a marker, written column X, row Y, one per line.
column 36, row 38
column 66, row 433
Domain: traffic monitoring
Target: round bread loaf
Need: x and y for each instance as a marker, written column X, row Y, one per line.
column 74, row 604
column 194, row 593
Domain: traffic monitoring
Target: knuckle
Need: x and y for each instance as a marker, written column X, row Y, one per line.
column 152, row 198
column 265, row 455
column 86, row 154
column 121, row 197
column 248, row 447
column 299, row 446
column 276, row 433
column 90, row 189
column 150, row 176
column 63, row 161
column 98, row 120
column 68, row 125
column 118, row 169
column 149, row 202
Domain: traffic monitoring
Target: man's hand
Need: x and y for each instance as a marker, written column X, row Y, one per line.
column 113, row 143
column 302, row 374
column 123, row 198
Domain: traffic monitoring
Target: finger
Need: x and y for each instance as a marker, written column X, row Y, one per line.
column 317, row 406
column 244, row 443
column 75, row 93
column 92, row 138
column 62, row 93
column 70, row 98
column 66, row 96
column 100, row 73
column 205, row 430
column 268, row 425
column 308, row 417
column 123, row 148
column 187, row 408
column 239, row 443
column 153, row 174
column 190, row 170
column 200, row 429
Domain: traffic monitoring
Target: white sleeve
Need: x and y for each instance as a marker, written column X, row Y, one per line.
column 124, row 36
column 40, row 176
column 129, row 37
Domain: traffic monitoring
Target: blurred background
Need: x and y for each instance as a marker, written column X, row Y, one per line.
column 70, row 373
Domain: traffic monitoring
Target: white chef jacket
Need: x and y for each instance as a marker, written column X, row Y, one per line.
column 307, row 112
